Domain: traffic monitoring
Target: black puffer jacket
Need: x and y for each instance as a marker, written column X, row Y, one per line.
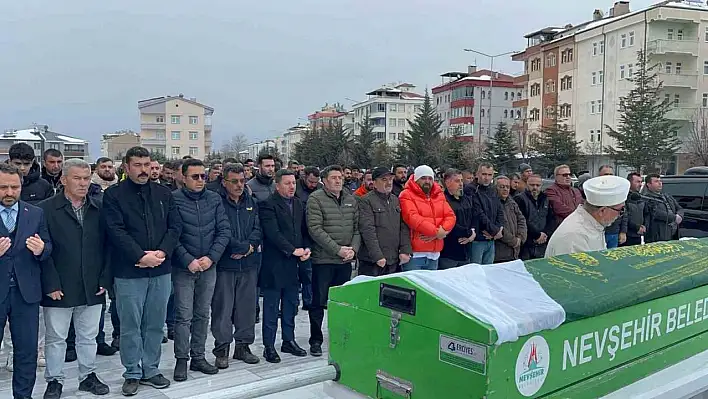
column 637, row 214
column 54, row 181
column 34, row 189
column 487, row 207
column 536, row 213
column 205, row 227
column 245, row 232
column 465, row 223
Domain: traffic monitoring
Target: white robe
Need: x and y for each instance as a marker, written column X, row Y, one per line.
column 579, row 232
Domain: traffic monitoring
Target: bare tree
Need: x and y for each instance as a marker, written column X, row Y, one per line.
column 593, row 150
column 235, row 145
column 696, row 143
column 522, row 139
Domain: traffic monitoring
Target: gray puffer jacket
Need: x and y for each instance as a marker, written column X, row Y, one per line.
column 333, row 223
column 206, row 230
column 262, row 187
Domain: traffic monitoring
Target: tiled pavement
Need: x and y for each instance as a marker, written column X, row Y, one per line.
column 109, row 370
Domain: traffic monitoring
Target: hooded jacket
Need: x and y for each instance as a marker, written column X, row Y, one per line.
column 302, row 192
column 54, row 181
column 104, row 184
column 424, row 214
column 487, row 207
column 662, row 209
column 262, row 187
column 245, row 232
column 34, row 189
column 361, row 191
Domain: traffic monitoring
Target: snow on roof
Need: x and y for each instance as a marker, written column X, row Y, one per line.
column 695, row 5
column 595, row 24
column 21, row 135
column 70, row 139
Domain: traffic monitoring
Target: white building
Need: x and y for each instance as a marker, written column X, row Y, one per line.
column 255, row 148
column 290, row 138
column 40, row 138
column 389, row 109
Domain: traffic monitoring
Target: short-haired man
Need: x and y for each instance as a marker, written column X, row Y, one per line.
column 262, row 185
column 206, row 233
column 637, row 213
column 454, row 252
column 143, row 227
column 562, row 196
column 155, row 170
column 509, row 246
column 666, row 213
column 584, row 229
column 52, row 160
column 74, row 279
column 105, row 174
column 367, row 185
column 34, row 188
column 429, row 217
column 386, row 241
column 233, row 308
column 307, row 183
column 399, row 178
column 177, row 176
column 490, row 214
column 533, row 204
column 22, row 247
column 286, row 244
column 333, row 223
column 167, row 177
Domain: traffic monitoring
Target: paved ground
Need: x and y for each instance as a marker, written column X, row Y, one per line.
column 109, row 370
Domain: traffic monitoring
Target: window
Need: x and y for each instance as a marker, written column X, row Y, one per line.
column 550, row 60
column 160, row 134
column 176, row 135
column 630, row 71
column 175, row 119
column 535, row 114
column 175, row 150
column 667, row 98
column 481, row 113
column 705, row 100
column 600, row 77
column 512, row 96
column 193, row 151
column 594, row 49
column 631, row 38
column 380, row 135
column 518, row 95
column 416, row 108
column 506, row 96
column 705, row 67
column 565, row 111
column 592, row 136
column 594, row 78
column 400, row 136
column 535, row 89
column 160, row 119
column 602, row 47
column 484, row 94
column 193, row 120
column 599, row 106
column 392, row 122
column 592, row 107
column 194, row 135
column 679, row 34
column 678, row 68
column 706, row 38
column 401, row 107
column 506, row 114
column 550, row 112
column 381, row 107
column 677, row 100
column 668, row 66
column 623, row 40
column 622, row 74
column 688, row 196
column 670, row 34
column 392, row 107
column 401, row 122
column 38, row 146
column 567, row 56
column 489, row 94
column 392, row 136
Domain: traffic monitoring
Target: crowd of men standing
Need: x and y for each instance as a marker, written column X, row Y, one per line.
column 182, row 245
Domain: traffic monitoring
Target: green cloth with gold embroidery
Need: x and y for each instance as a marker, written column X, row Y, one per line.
column 592, row 283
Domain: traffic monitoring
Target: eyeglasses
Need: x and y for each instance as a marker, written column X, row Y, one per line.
column 620, row 211
column 198, row 177
column 563, row 174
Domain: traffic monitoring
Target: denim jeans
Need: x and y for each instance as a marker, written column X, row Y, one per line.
column 420, row 263
column 481, row 252
column 57, row 321
column 142, row 307
column 193, row 296
column 612, row 240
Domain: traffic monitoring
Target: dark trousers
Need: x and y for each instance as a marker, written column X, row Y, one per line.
column 447, row 263
column 170, row 318
column 24, row 330
column 101, row 337
column 324, row 277
column 632, row 241
column 372, row 269
column 275, row 299
column 306, row 287
column 233, row 310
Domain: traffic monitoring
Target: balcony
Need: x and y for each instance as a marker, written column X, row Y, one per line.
column 520, row 103
column 377, row 114
column 74, row 153
column 684, row 80
column 521, row 79
column 152, row 126
column 681, row 113
column 665, row 46
column 152, row 141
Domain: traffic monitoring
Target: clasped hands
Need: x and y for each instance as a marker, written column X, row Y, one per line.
column 302, row 253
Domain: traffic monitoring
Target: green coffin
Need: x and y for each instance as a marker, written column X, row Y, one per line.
column 629, row 313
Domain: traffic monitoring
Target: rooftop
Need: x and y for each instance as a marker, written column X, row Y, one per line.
column 36, row 133
column 158, row 100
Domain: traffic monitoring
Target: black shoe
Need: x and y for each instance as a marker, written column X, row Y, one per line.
column 164, row 339
column 202, row 366
column 243, row 353
column 104, row 349
column 157, row 382
column 270, row 355
column 53, row 390
column 316, row 350
column 130, row 387
column 181, row 370
column 222, row 362
column 94, row 385
column 306, row 308
column 116, row 343
column 70, row 355
column 292, row 348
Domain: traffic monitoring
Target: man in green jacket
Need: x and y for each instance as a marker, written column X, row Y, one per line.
column 333, row 223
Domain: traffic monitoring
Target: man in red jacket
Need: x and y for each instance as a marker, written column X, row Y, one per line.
column 563, row 198
column 428, row 216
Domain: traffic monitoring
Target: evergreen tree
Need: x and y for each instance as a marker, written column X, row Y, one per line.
column 424, row 134
column 556, row 144
column 308, row 149
column 382, row 155
column 155, row 156
column 364, row 143
column 645, row 139
column 456, row 151
column 501, row 148
column 337, row 146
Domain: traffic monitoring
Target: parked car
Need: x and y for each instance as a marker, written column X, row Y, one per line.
column 690, row 192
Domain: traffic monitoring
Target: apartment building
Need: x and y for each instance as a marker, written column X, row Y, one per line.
column 255, row 148
column 42, row 139
column 176, row 126
column 598, row 56
column 328, row 115
column 115, row 145
column 290, row 138
column 472, row 103
column 389, row 108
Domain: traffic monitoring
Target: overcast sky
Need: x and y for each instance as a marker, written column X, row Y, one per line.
column 80, row 66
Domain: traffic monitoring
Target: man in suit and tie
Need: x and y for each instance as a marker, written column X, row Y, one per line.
column 285, row 243
column 24, row 243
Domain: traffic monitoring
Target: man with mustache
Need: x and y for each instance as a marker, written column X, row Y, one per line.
column 366, row 186
column 262, row 185
column 399, row 178
column 454, row 252
column 51, row 172
column 143, row 227
column 584, row 229
column 155, row 170
column 386, row 241
column 533, row 204
column 429, row 217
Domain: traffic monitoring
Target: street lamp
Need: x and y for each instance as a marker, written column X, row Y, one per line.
column 491, row 82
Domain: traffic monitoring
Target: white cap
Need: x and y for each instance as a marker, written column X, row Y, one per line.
column 423, row 171
column 606, row 190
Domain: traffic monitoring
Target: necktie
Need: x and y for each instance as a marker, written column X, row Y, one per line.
column 9, row 220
